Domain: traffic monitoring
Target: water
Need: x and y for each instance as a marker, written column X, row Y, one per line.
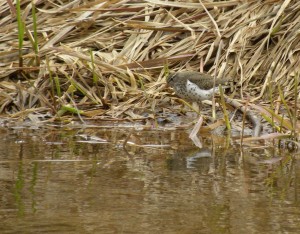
column 84, row 181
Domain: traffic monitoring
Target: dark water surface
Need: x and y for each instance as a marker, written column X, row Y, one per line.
column 83, row 181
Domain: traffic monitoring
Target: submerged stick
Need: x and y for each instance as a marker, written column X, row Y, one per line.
column 254, row 119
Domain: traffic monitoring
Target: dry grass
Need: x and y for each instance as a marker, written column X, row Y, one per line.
column 109, row 59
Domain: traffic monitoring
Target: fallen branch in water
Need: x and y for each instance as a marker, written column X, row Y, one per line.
column 252, row 117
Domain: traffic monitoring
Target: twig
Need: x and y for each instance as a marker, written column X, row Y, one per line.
column 254, row 119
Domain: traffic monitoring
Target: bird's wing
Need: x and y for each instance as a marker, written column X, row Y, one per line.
column 207, row 81
column 203, row 78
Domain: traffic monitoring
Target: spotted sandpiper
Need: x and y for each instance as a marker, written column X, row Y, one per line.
column 194, row 86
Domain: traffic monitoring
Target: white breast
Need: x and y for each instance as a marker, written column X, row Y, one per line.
column 197, row 94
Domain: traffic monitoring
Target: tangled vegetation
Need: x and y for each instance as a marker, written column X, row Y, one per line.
column 109, row 59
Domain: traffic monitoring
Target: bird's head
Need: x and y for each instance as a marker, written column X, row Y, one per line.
column 171, row 79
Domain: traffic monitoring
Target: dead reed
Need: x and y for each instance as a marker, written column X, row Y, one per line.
column 108, row 59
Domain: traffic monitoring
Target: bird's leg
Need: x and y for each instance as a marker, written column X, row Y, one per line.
column 197, row 106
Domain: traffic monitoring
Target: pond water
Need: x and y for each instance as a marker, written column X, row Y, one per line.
column 119, row 180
